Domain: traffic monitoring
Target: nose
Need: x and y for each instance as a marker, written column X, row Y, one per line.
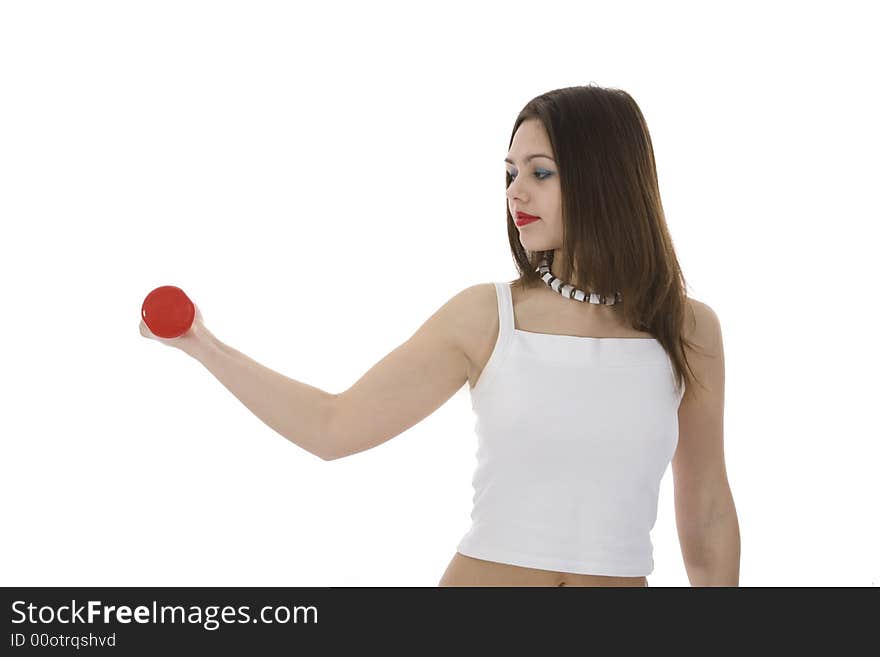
column 513, row 192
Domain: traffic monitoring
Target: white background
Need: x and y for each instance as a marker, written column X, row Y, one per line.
column 320, row 178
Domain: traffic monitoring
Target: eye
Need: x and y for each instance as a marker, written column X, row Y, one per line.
column 540, row 174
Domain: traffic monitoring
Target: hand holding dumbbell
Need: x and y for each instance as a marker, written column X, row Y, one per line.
column 170, row 317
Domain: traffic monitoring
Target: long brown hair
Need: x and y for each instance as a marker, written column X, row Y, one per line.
column 615, row 237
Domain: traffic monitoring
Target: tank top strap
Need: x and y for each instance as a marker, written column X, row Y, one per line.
column 505, row 310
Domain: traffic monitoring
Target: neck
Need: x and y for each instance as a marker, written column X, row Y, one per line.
column 556, row 270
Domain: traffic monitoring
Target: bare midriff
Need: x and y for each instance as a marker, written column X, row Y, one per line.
column 469, row 571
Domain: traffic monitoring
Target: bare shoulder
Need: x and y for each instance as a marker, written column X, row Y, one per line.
column 476, row 321
column 466, row 311
column 474, row 304
column 702, row 325
column 477, row 306
column 705, row 356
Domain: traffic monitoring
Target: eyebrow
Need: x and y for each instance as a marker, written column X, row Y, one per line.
column 507, row 159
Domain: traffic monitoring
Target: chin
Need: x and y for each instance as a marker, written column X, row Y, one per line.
column 536, row 244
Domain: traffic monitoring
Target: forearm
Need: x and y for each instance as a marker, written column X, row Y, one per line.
column 712, row 553
column 297, row 411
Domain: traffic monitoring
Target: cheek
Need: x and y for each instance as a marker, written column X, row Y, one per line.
column 552, row 225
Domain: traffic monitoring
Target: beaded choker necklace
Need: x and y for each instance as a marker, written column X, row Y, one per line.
column 570, row 291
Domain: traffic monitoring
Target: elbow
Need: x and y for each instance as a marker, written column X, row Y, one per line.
column 344, row 435
column 712, row 552
column 329, row 444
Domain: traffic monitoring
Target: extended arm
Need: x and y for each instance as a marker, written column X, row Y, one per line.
column 404, row 387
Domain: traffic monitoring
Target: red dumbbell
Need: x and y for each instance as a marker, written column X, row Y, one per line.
column 168, row 312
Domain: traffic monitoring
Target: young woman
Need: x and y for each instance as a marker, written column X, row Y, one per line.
column 589, row 373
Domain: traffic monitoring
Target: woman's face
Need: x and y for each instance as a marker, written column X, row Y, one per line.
column 535, row 187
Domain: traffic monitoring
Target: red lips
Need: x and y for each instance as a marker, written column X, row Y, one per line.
column 523, row 218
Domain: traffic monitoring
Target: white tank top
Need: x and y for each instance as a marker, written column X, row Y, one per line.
column 574, row 437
